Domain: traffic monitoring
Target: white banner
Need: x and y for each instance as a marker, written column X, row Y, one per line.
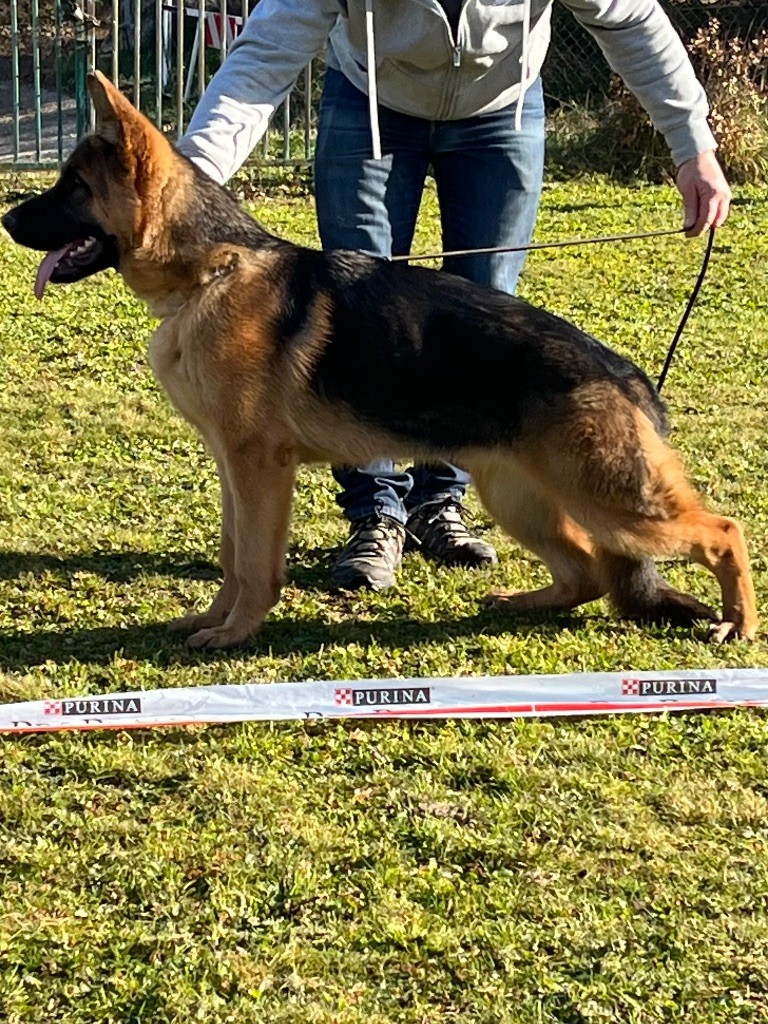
column 597, row 693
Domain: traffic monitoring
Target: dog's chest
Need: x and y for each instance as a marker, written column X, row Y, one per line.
column 174, row 363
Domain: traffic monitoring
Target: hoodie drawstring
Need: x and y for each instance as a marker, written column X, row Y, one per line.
column 373, row 97
column 373, row 93
column 523, row 65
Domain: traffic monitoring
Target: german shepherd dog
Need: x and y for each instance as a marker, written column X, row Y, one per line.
column 281, row 355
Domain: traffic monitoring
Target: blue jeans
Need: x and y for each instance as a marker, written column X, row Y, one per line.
column 488, row 179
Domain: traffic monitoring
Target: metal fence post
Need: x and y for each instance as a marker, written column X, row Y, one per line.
column 15, row 98
column 81, row 70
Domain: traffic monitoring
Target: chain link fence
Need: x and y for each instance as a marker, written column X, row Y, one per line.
column 162, row 52
column 575, row 71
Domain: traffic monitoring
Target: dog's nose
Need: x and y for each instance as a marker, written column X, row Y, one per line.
column 10, row 220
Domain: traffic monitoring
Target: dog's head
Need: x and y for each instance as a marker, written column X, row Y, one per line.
column 101, row 208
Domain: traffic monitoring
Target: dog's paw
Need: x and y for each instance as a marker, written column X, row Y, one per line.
column 195, row 621
column 724, row 632
column 218, row 638
column 504, row 598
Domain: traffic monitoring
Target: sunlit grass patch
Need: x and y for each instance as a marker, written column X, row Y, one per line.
column 386, row 873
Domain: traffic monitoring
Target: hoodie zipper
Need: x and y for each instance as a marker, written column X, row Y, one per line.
column 456, row 55
column 453, row 42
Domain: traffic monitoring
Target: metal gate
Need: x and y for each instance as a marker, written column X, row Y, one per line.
column 161, row 53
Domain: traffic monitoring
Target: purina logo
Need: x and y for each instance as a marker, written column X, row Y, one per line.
column 667, row 687
column 349, row 697
column 99, row 706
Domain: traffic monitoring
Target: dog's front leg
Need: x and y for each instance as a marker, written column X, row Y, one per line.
column 260, row 479
column 224, row 601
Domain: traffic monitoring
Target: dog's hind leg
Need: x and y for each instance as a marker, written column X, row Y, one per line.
column 527, row 514
column 260, row 476
column 679, row 525
column 715, row 542
column 621, row 482
column 718, row 544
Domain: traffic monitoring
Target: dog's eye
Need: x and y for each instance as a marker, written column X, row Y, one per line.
column 78, row 182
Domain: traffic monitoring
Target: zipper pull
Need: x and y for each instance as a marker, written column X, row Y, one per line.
column 457, row 56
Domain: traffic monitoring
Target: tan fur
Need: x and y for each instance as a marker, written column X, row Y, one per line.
column 602, row 481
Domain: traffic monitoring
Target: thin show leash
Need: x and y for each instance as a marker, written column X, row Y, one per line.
column 592, row 241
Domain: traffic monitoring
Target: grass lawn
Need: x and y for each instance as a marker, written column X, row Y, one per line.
column 385, row 873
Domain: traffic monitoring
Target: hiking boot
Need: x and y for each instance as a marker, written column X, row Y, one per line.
column 437, row 529
column 371, row 556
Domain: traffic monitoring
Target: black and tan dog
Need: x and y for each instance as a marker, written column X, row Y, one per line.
column 281, row 355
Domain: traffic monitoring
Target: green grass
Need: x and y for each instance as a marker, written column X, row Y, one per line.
column 386, row 873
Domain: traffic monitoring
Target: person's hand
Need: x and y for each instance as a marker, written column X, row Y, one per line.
column 705, row 193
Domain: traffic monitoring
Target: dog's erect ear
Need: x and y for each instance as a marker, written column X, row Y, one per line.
column 142, row 146
column 112, row 108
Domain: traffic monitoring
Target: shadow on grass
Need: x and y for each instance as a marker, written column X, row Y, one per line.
column 154, row 644
column 116, row 566
column 308, row 566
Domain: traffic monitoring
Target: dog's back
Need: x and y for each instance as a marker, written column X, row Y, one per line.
column 439, row 360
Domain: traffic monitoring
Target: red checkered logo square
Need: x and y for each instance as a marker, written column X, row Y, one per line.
column 344, row 697
column 52, row 707
column 630, row 687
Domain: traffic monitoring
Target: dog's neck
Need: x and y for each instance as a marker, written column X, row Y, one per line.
column 168, row 285
column 189, row 242
column 205, row 214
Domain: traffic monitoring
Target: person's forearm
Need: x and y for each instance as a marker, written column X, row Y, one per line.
column 642, row 46
column 278, row 41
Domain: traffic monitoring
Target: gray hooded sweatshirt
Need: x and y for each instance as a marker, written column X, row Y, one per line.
column 405, row 53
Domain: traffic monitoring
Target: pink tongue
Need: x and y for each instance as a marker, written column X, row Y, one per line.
column 47, row 267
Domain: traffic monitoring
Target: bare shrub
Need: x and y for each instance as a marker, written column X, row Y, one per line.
column 733, row 72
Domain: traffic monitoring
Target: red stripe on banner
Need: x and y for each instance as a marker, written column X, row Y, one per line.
column 663, row 705
column 426, row 712
column 584, row 706
column 660, row 705
column 430, row 711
